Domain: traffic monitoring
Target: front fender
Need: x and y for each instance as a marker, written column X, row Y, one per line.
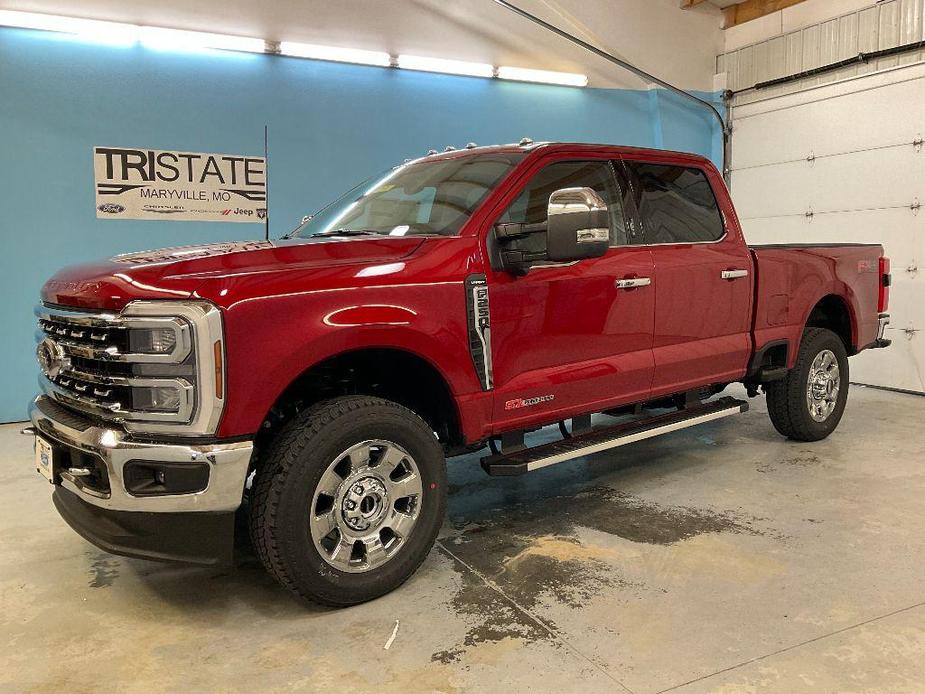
column 271, row 341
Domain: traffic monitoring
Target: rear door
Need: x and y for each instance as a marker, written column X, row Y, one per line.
column 703, row 276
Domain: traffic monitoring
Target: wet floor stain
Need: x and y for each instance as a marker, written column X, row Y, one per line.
column 533, row 554
column 804, row 460
column 490, row 615
column 104, row 569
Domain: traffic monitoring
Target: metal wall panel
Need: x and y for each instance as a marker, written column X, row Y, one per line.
column 884, row 25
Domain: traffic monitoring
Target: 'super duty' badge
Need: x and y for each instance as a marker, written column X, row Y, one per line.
column 479, row 328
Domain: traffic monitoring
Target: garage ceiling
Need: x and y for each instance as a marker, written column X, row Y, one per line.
column 476, row 30
column 737, row 12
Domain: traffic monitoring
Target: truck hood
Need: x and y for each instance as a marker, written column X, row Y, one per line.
column 181, row 272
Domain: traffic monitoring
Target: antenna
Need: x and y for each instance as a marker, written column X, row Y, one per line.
column 266, row 179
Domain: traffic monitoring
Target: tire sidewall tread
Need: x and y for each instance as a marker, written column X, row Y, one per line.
column 786, row 398
column 284, row 486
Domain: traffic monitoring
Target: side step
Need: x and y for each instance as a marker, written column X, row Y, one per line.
column 526, row 460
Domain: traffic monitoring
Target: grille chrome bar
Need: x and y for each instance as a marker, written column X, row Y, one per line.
column 71, row 394
column 105, row 336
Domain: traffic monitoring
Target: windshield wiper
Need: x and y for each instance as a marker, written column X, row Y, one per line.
column 350, row 232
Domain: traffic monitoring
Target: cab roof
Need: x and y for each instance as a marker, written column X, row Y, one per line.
column 527, row 145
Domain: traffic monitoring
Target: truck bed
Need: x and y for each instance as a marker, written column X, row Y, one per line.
column 790, row 277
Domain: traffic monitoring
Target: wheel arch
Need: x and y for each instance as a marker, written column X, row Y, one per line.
column 384, row 372
column 834, row 313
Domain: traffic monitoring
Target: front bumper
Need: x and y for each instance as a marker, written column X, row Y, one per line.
column 195, row 527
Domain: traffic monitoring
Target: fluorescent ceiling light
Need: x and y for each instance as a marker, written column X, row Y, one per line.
column 522, row 74
column 339, row 55
column 88, row 29
column 176, row 39
column 452, row 67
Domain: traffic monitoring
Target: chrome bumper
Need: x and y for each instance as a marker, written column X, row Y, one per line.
column 228, row 464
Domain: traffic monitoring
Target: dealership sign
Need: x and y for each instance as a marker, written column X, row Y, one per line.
column 186, row 186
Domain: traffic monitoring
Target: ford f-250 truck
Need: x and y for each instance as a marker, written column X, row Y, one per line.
column 318, row 383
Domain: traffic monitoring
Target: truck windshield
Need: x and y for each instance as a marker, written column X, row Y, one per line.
column 424, row 197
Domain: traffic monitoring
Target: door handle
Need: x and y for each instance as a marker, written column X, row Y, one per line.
column 633, row 283
column 733, row 274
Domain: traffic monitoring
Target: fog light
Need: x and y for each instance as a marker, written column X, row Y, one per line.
column 157, row 399
column 155, row 478
column 152, row 340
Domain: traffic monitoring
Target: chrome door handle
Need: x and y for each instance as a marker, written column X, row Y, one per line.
column 733, row 274
column 633, row 283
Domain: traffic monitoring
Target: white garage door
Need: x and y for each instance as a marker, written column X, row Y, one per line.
column 845, row 162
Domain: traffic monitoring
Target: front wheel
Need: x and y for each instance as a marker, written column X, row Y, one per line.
column 809, row 402
column 348, row 500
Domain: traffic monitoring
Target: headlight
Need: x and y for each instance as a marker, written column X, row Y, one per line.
column 174, row 343
column 157, row 399
column 152, row 340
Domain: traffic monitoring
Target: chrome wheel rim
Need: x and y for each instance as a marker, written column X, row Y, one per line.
column 365, row 506
column 823, row 385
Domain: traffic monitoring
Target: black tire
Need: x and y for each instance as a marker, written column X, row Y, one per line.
column 787, row 398
column 290, row 472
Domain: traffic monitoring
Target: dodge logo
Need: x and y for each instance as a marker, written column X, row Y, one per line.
column 51, row 357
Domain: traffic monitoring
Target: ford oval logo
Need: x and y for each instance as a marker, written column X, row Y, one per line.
column 111, row 208
column 51, row 357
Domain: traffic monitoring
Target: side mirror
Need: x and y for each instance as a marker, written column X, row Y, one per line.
column 578, row 225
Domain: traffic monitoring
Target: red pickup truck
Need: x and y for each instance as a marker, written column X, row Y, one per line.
column 318, row 383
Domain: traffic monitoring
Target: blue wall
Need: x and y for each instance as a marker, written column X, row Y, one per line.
column 330, row 127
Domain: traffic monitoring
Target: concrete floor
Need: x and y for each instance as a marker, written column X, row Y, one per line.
column 721, row 558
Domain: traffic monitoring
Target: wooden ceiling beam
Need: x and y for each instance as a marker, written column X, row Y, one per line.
column 753, row 9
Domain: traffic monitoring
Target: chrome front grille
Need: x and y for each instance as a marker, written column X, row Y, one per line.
column 88, row 364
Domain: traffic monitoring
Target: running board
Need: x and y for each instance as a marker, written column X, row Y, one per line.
column 529, row 459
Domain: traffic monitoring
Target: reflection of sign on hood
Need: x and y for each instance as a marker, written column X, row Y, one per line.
column 193, row 186
column 169, row 255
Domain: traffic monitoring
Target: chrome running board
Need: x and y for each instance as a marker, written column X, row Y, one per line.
column 528, row 459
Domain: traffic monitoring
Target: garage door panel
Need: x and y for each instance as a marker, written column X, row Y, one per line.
column 823, row 186
column 770, row 191
column 860, row 120
column 865, row 180
column 901, row 233
column 897, row 366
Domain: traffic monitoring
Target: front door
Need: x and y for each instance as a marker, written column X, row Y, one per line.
column 565, row 338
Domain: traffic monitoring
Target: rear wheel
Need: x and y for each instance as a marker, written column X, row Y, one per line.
column 348, row 500
column 809, row 402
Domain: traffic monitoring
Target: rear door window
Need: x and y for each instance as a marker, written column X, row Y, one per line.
column 676, row 204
